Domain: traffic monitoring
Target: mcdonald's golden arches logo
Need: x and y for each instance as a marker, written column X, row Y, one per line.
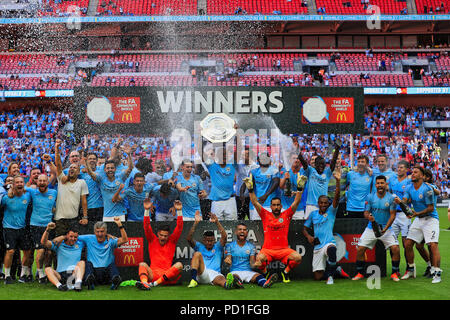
column 341, row 117
column 127, row 117
column 127, row 259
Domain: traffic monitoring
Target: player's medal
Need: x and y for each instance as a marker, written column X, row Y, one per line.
column 217, row 127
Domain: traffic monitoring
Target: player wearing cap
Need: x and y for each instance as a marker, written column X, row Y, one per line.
column 380, row 211
column 276, row 228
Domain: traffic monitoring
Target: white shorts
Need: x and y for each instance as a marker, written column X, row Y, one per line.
column 246, row 276
column 225, row 209
column 188, row 219
column 208, row 276
column 401, row 225
column 255, row 216
column 111, row 219
column 424, row 228
column 310, row 208
column 369, row 240
column 320, row 257
column 159, row 216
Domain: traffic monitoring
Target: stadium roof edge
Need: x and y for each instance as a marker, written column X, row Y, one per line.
column 235, row 18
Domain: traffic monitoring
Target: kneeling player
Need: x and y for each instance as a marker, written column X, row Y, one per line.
column 161, row 248
column 324, row 259
column 207, row 259
column 276, row 228
column 68, row 252
column 241, row 256
column 380, row 211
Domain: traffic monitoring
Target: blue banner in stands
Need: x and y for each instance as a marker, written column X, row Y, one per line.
column 411, row 17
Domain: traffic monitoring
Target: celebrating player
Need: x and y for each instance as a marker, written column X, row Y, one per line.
column 424, row 227
column 380, row 211
column 68, row 253
column 324, row 259
column 161, row 248
column 207, row 260
column 276, row 228
column 241, row 256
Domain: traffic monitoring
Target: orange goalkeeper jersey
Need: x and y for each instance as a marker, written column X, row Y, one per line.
column 162, row 256
column 276, row 229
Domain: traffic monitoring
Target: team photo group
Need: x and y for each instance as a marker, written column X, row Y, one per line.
column 42, row 213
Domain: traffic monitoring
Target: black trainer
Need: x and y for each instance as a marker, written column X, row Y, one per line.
column 63, row 287
column 9, row 280
column 2, row 276
column 427, row 273
column 23, row 279
column 90, row 282
column 42, row 280
column 29, row 278
column 116, row 282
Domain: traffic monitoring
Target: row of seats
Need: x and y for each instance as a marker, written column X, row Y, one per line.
column 29, row 64
column 391, row 80
column 231, row 7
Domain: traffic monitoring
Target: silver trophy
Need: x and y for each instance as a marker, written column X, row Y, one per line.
column 217, row 128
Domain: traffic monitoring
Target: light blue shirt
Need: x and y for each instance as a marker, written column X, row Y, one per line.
column 240, row 256
column 100, row 254
column 317, row 184
column 136, row 201
column 358, row 190
column 15, row 211
column 323, row 226
column 189, row 198
column 262, row 181
column 380, row 208
column 389, row 174
column 399, row 187
column 212, row 258
column 68, row 256
column 94, row 198
column 108, row 189
column 421, row 199
column 222, row 181
column 43, row 204
column 164, row 204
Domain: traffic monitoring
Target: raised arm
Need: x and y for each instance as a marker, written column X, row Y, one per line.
column 335, row 157
column 223, row 233
column 190, row 235
column 123, row 234
column 58, row 163
column 337, row 175
column 116, row 197
column 301, row 180
column 128, row 150
column 44, row 239
column 177, row 205
column 302, row 161
column 254, row 200
column 147, row 226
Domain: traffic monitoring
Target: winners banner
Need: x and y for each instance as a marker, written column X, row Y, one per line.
column 160, row 110
column 346, row 235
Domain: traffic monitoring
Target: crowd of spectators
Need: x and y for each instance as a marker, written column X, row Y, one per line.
column 25, row 135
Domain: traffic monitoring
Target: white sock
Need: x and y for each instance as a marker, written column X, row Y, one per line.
column 412, row 265
column 58, row 284
column 41, row 273
column 27, row 271
column 429, row 264
column 23, row 272
column 432, row 270
column 7, row 272
column 155, row 283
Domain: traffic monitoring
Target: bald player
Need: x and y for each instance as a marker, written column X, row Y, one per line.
column 276, row 228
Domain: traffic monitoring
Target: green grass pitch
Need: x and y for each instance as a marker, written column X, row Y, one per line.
column 420, row 288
